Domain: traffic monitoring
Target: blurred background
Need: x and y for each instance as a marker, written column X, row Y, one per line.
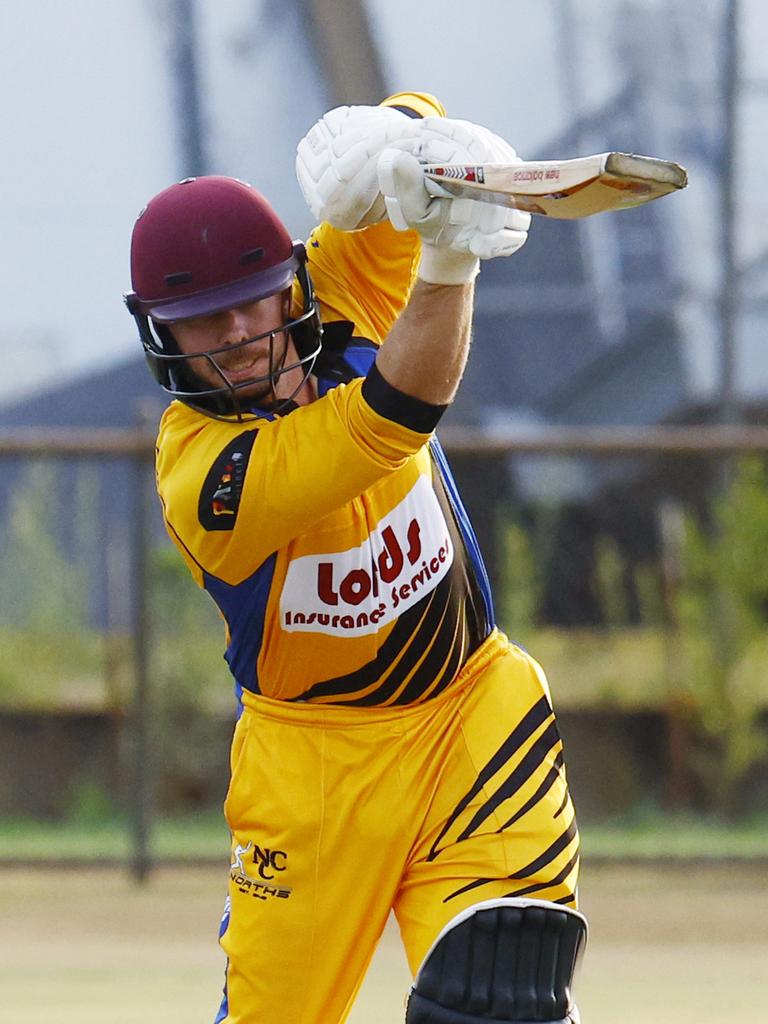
column 610, row 437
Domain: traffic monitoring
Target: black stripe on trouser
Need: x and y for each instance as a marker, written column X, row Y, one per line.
column 514, row 783
column 548, row 782
column 522, row 732
column 547, row 857
column 550, row 853
column 563, row 805
column 559, row 878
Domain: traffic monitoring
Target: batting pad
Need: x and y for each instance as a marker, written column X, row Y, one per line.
column 501, row 961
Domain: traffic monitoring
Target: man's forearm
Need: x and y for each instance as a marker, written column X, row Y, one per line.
column 426, row 351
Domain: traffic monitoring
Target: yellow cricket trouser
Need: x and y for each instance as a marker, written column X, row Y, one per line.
column 339, row 815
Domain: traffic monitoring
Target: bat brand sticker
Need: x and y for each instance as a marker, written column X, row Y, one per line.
column 536, row 174
column 462, row 172
column 223, row 487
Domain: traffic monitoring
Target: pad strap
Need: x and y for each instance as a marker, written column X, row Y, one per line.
column 422, row 1011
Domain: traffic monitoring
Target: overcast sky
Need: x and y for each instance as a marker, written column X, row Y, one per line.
column 87, row 115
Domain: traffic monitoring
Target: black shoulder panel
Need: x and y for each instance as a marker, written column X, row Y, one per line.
column 223, row 486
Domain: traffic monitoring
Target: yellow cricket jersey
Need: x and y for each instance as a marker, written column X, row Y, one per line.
column 331, row 537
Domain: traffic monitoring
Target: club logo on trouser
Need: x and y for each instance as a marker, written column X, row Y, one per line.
column 266, row 863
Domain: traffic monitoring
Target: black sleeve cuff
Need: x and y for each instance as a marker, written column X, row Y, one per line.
column 395, row 405
column 408, row 111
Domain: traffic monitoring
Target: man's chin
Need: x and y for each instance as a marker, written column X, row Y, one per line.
column 258, row 393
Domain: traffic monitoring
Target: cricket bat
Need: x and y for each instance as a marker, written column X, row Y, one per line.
column 564, row 189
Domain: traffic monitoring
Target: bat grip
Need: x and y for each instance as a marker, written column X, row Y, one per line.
column 434, row 188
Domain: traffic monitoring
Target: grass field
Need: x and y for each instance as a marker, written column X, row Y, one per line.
column 646, row 834
column 677, row 946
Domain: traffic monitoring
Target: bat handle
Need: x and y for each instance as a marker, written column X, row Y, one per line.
column 436, row 189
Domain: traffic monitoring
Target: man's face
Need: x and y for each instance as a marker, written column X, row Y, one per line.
column 225, row 331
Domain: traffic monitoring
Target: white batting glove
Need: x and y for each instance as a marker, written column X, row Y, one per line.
column 502, row 230
column 463, row 226
column 336, row 162
column 456, row 233
column 409, row 205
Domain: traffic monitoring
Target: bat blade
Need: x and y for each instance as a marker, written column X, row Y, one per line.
column 563, row 189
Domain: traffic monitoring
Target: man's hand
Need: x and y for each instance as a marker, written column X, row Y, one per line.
column 444, row 141
column 336, row 162
column 456, row 233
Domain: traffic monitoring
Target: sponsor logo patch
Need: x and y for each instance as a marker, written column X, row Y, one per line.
column 357, row 591
column 223, row 487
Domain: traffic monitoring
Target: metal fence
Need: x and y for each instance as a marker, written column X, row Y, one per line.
column 518, row 478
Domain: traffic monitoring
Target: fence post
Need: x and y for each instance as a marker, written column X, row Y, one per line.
column 142, row 746
column 671, row 525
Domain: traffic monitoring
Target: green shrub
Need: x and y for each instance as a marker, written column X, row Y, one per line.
column 40, row 588
column 711, row 606
column 719, row 612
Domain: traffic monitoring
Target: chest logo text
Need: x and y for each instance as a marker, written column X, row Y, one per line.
column 357, row 591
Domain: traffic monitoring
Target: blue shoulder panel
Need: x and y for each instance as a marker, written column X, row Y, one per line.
column 466, row 528
column 243, row 607
column 360, row 356
column 357, row 359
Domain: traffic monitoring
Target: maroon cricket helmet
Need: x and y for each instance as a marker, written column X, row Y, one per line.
column 202, row 246
column 208, row 244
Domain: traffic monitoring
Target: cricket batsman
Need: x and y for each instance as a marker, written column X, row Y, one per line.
column 394, row 750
